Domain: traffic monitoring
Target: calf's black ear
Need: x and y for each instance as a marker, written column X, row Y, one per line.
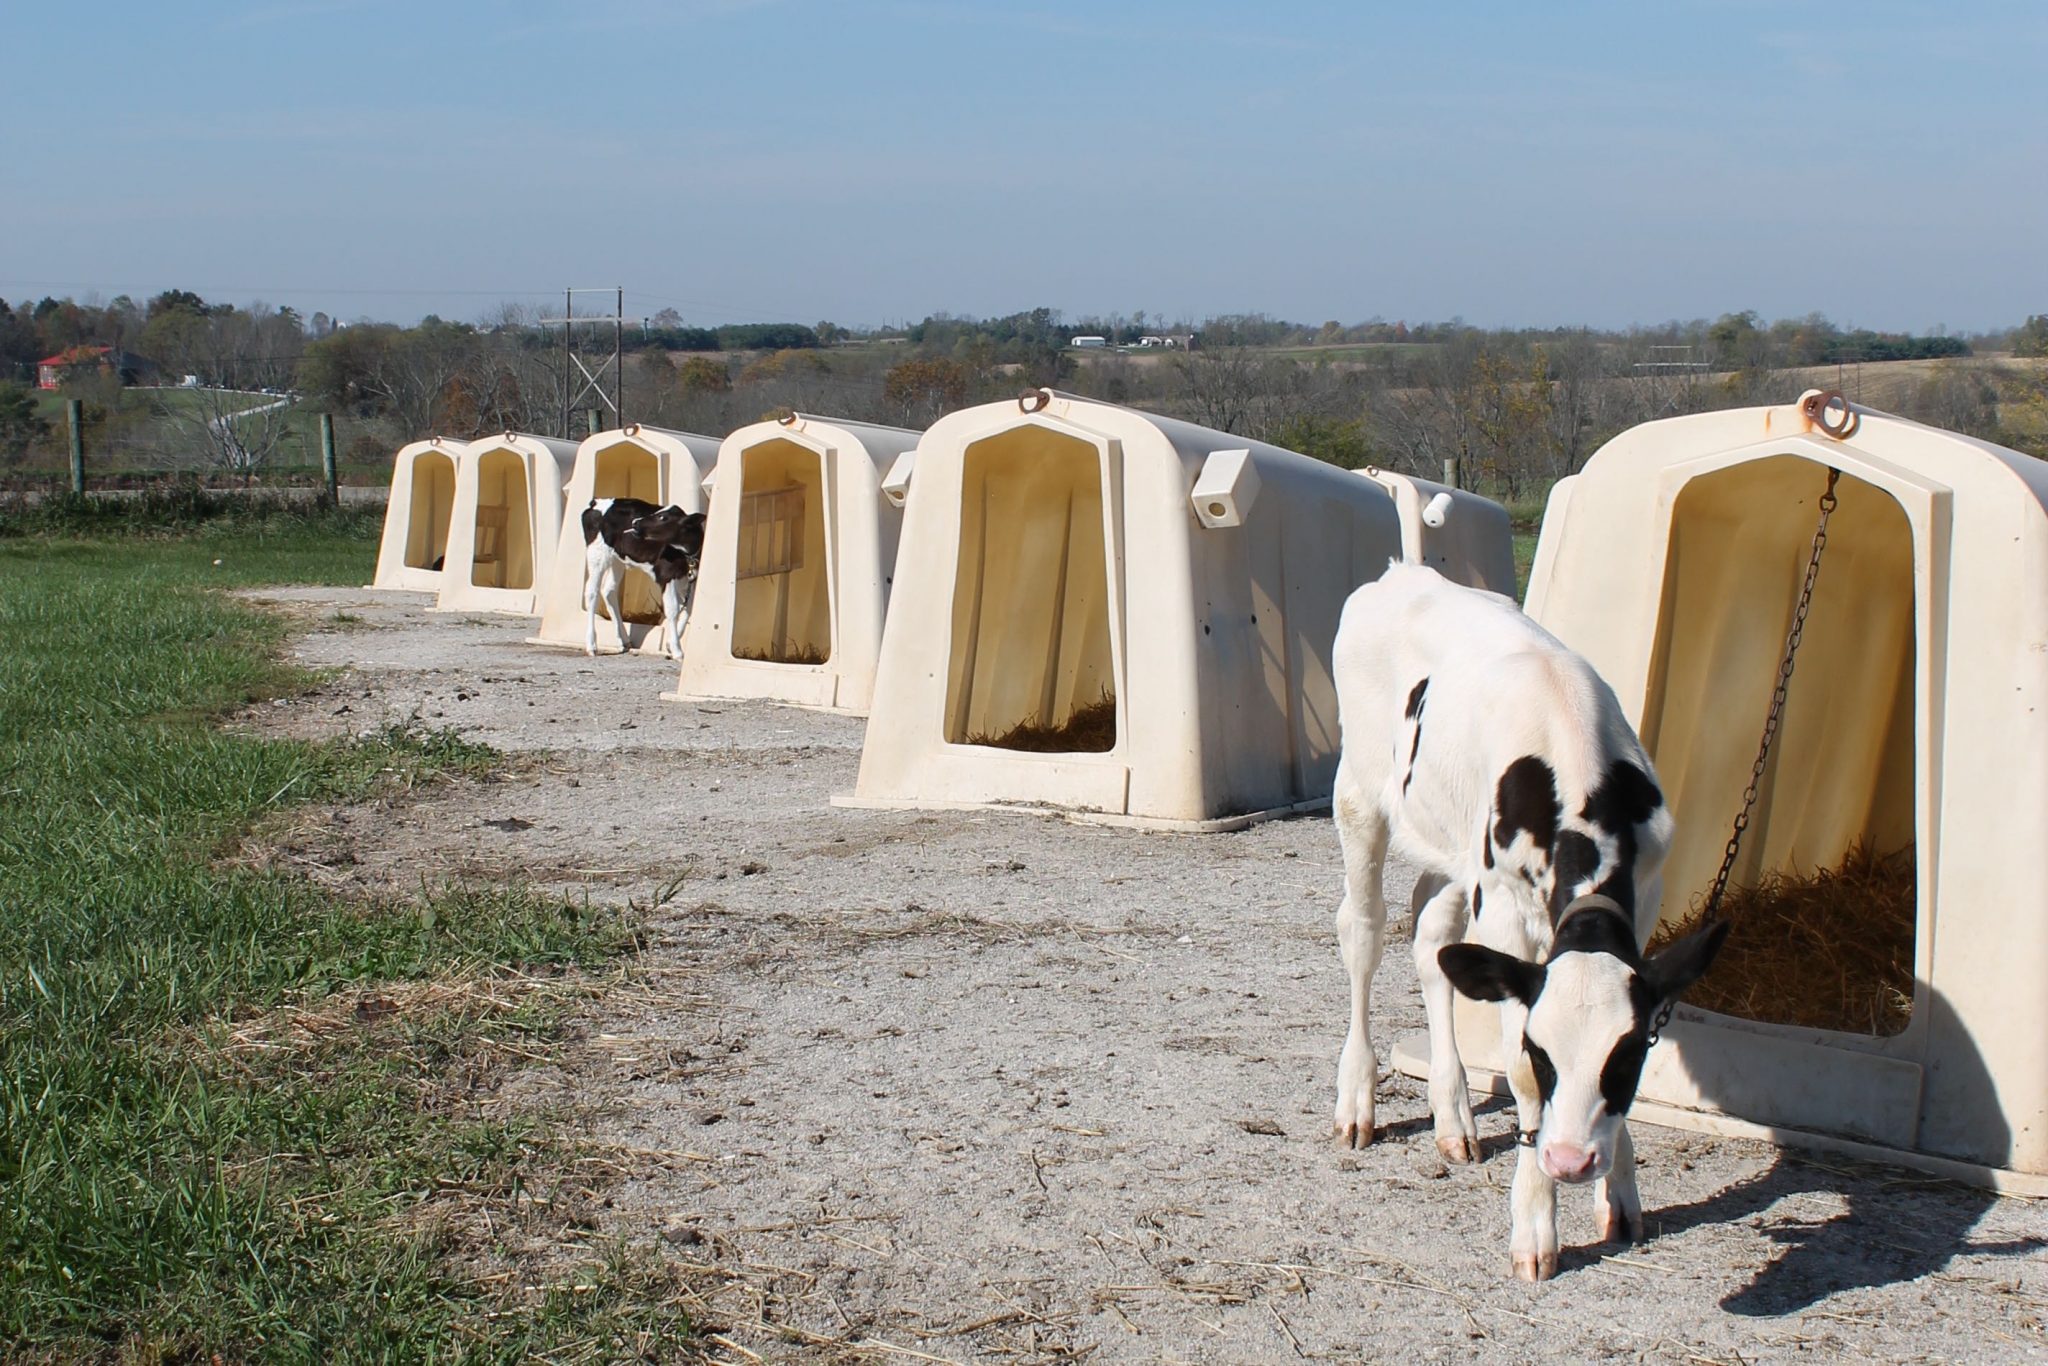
column 1489, row 975
column 1675, row 967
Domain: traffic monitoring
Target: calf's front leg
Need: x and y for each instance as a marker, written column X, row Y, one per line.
column 1532, row 1248
column 1617, row 1205
column 673, row 616
column 1440, row 923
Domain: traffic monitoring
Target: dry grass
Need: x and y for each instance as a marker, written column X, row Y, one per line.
column 635, row 616
column 503, row 1187
column 1830, row 950
column 809, row 654
column 1090, row 730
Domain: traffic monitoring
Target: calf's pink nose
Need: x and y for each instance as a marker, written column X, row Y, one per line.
column 1566, row 1163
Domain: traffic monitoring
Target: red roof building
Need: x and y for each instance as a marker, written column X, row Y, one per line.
column 125, row 365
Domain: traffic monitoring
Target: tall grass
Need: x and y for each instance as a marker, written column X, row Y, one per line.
column 163, row 1195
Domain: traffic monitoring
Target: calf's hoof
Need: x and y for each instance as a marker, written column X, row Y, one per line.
column 1458, row 1149
column 1620, row 1226
column 1353, row 1135
column 1535, row 1266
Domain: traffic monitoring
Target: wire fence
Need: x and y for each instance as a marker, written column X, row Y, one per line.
column 137, row 455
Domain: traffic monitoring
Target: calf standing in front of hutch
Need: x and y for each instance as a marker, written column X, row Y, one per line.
column 665, row 543
column 1479, row 748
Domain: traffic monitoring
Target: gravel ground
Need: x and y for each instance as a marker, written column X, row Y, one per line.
column 963, row 1086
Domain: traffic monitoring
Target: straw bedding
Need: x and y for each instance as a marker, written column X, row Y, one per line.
column 807, row 655
column 1090, row 730
column 1832, row 949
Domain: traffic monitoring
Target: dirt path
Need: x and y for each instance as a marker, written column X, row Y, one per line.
column 971, row 1086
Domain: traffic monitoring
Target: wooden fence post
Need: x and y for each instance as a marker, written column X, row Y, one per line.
column 1451, row 471
column 74, row 417
column 328, row 469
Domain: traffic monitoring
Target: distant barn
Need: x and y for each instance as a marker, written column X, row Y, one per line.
column 79, row 361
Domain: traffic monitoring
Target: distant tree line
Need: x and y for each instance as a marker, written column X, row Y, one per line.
column 1515, row 408
column 674, row 336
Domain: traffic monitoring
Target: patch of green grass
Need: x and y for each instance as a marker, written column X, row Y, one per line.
column 201, row 403
column 1525, row 521
column 184, row 1167
column 1525, row 560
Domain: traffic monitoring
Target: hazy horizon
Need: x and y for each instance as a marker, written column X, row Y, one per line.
column 773, row 160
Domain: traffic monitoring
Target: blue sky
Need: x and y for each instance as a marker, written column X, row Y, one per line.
column 864, row 162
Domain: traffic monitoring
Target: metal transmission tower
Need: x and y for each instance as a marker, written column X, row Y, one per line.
column 583, row 348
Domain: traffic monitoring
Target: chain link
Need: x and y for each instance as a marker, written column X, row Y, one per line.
column 1772, row 718
column 1777, row 711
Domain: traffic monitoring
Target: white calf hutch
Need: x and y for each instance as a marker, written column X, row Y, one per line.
column 799, row 548
column 638, row 461
column 1915, row 727
column 1130, row 618
column 508, row 516
column 418, row 516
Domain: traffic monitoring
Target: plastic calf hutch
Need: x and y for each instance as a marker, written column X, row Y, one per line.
column 1917, row 716
column 799, row 548
column 1130, row 618
column 418, row 516
column 650, row 463
column 508, row 516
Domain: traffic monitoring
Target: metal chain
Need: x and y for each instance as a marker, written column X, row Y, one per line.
column 1777, row 711
column 1771, row 721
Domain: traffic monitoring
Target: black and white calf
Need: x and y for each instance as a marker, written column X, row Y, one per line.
column 1482, row 750
column 631, row 533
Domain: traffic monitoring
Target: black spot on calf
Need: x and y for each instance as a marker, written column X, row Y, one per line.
column 1625, row 799
column 1598, row 929
column 1623, row 1072
column 1414, row 713
column 1526, row 799
column 1541, row 1067
column 1575, row 862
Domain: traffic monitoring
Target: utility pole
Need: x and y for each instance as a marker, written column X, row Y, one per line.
column 577, row 346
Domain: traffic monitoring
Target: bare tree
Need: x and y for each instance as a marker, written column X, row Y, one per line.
column 1959, row 396
column 1221, row 386
column 228, row 433
column 1581, row 383
column 1236, row 389
column 1426, row 417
